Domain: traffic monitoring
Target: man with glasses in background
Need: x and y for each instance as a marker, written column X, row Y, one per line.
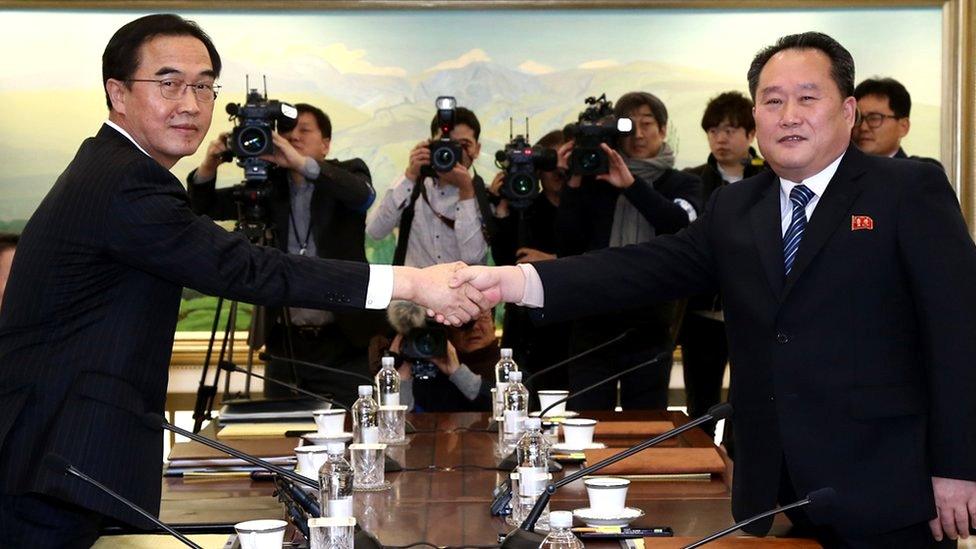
column 884, row 105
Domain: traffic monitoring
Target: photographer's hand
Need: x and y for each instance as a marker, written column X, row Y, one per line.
column 419, row 157
column 449, row 363
column 619, row 175
column 285, row 155
column 214, row 158
column 460, row 178
column 563, row 154
column 405, row 370
column 501, row 210
column 528, row 255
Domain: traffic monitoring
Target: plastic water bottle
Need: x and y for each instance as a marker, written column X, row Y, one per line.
column 388, row 383
column 503, row 368
column 335, row 482
column 532, row 455
column 516, row 409
column 560, row 532
column 365, row 420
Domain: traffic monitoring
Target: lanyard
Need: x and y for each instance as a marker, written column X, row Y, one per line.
column 302, row 244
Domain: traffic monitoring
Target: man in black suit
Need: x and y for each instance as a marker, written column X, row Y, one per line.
column 885, row 106
column 86, row 328
column 318, row 208
column 850, row 335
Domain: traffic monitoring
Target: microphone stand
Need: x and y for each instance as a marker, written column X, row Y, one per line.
column 580, row 355
column 525, row 537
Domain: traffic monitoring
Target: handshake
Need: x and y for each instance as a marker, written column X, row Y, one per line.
column 454, row 293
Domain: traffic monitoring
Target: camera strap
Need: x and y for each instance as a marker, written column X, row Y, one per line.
column 406, row 222
column 302, row 244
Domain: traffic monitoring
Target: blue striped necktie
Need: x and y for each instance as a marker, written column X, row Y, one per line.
column 800, row 196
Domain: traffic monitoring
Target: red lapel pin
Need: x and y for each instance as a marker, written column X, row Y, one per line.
column 862, row 222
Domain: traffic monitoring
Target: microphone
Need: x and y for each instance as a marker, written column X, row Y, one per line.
column 156, row 421
column 267, row 357
column 525, row 538
column 228, row 367
column 563, row 362
column 509, row 463
column 820, row 502
column 60, row 465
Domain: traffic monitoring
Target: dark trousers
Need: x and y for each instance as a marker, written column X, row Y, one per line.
column 915, row 536
column 643, row 389
column 36, row 521
column 704, row 353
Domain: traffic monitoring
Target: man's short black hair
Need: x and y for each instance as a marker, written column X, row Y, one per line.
column 461, row 116
column 322, row 119
column 8, row 241
column 631, row 101
column 731, row 106
column 841, row 62
column 551, row 140
column 121, row 57
column 898, row 98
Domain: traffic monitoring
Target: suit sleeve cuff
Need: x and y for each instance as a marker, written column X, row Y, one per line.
column 533, row 294
column 380, row 288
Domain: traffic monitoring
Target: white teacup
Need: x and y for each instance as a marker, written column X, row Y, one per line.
column 330, row 422
column 548, row 397
column 607, row 494
column 261, row 534
column 578, row 432
column 310, row 460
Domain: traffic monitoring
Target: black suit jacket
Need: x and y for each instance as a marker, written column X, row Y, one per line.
column 856, row 369
column 342, row 194
column 86, row 329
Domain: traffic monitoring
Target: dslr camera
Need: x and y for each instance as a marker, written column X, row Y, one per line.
column 597, row 125
column 255, row 121
column 445, row 152
column 420, row 345
column 521, row 162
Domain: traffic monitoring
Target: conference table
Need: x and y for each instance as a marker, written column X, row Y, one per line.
column 443, row 494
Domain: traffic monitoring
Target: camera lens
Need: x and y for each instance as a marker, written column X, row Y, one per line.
column 590, row 160
column 522, row 184
column 425, row 344
column 253, row 141
column 444, row 159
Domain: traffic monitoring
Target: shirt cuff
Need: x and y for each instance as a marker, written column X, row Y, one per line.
column 379, row 291
column 311, row 170
column 533, row 294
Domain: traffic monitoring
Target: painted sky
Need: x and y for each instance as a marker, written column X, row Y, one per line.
column 50, row 95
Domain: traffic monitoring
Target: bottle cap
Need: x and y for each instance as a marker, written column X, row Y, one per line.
column 515, row 376
column 533, row 423
column 387, row 361
column 365, row 390
column 561, row 519
column 336, row 447
column 506, row 353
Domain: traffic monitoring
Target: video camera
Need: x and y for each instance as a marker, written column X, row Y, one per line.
column 255, row 121
column 597, row 125
column 520, row 162
column 445, row 152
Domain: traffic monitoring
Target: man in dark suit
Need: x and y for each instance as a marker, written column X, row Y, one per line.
column 885, row 107
column 86, row 328
column 318, row 208
column 850, row 335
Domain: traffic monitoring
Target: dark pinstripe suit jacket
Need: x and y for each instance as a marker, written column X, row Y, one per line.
column 86, row 328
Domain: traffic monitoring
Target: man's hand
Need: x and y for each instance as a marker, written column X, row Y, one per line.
column 214, row 158
column 449, row 363
column 460, row 178
column 429, row 288
column 563, row 154
column 955, row 502
column 496, row 284
column 619, row 175
column 527, row 255
column 501, row 210
column 285, row 154
column 419, row 157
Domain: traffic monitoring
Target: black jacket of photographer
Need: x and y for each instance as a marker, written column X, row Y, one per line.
column 342, row 193
column 584, row 222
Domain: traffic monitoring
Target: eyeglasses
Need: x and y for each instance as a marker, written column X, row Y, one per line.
column 874, row 120
column 174, row 89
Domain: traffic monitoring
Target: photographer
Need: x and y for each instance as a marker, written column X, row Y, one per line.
column 317, row 207
column 441, row 215
column 534, row 347
column 648, row 198
column 459, row 378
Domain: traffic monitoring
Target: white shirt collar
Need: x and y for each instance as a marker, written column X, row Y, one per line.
column 119, row 129
column 817, row 182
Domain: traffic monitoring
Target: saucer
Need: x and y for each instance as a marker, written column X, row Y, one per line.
column 563, row 447
column 321, row 439
column 552, row 415
column 593, row 517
